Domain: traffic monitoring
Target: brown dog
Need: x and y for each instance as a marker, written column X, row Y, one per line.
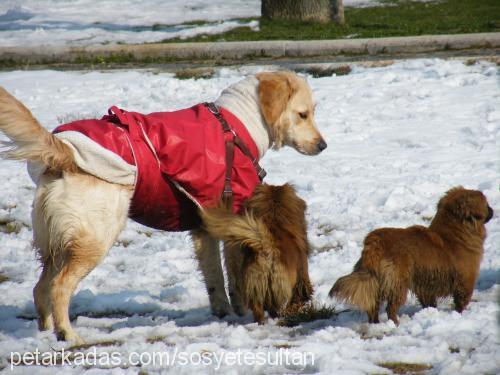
column 270, row 240
column 432, row 262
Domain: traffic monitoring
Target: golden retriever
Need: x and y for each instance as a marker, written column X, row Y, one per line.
column 77, row 216
column 271, row 237
column 432, row 262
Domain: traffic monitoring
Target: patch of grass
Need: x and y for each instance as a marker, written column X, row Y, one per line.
column 283, row 346
column 405, row 368
column 298, row 314
column 98, row 344
column 402, row 18
column 3, row 278
column 194, row 73
column 155, row 339
column 11, row 227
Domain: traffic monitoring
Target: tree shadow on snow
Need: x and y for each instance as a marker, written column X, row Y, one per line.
column 128, row 308
column 487, row 278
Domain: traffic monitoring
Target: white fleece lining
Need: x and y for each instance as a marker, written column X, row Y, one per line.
column 242, row 100
column 94, row 159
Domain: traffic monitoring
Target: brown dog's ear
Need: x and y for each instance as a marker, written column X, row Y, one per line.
column 456, row 203
column 460, row 209
column 275, row 90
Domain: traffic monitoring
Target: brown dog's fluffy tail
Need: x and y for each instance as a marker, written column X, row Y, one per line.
column 360, row 288
column 30, row 141
column 243, row 230
column 364, row 286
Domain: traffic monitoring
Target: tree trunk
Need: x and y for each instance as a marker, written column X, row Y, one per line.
column 298, row 10
column 338, row 11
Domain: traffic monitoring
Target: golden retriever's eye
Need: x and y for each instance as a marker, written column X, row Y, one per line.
column 303, row 115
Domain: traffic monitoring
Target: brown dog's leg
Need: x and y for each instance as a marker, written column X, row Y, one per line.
column 258, row 312
column 208, row 255
column 427, row 300
column 461, row 297
column 397, row 298
column 392, row 311
column 373, row 314
column 233, row 256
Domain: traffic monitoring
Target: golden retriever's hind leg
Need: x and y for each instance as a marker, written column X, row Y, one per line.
column 208, row 255
column 83, row 254
column 233, row 256
column 41, row 296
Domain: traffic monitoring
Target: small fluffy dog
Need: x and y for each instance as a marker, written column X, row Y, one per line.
column 271, row 237
column 432, row 262
column 80, row 209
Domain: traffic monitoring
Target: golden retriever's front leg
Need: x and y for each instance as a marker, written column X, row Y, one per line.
column 208, row 255
column 233, row 257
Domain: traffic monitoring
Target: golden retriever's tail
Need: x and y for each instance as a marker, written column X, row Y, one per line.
column 360, row 288
column 242, row 230
column 30, row 141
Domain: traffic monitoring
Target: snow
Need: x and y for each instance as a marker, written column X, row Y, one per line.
column 398, row 138
column 86, row 22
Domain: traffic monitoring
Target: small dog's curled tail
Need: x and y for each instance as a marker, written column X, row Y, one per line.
column 30, row 141
column 242, row 230
column 360, row 288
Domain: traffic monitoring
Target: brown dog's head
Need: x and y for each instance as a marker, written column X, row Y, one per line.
column 288, row 109
column 466, row 206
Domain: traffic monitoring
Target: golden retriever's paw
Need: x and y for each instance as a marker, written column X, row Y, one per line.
column 237, row 304
column 70, row 336
column 219, row 304
column 220, row 308
column 45, row 324
column 221, row 311
column 240, row 309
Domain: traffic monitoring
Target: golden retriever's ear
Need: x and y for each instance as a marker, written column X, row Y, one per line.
column 275, row 90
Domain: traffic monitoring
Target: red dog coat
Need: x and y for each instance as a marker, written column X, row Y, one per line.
column 180, row 159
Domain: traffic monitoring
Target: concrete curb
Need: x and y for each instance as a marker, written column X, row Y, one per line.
column 245, row 51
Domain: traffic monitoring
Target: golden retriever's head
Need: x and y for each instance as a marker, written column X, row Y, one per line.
column 467, row 206
column 288, row 109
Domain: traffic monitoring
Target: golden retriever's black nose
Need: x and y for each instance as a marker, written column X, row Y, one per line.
column 321, row 145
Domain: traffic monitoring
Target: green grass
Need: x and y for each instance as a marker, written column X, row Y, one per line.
column 400, row 18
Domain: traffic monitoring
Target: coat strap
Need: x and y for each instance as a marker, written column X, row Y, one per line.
column 126, row 119
column 231, row 139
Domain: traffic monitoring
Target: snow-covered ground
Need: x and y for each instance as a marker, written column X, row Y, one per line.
column 398, row 138
column 85, row 22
